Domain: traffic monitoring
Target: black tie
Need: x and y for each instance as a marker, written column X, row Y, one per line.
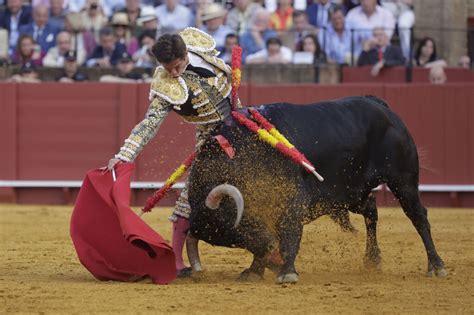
column 203, row 72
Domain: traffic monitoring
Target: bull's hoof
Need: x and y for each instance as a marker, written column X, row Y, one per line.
column 373, row 263
column 287, row 278
column 196, row 267
column 274, row 268
column 249, row 276
column 438, row 272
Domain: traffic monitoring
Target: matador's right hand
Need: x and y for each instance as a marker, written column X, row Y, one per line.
column 112, row 163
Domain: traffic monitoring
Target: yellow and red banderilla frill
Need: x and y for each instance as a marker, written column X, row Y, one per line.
column 236, row 74
column 159, row 194
column 268, row 134
column 272, row 136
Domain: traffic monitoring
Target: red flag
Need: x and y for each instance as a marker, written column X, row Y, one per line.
column 111, row 241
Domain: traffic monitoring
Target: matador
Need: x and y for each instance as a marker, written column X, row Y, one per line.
column 196, row 84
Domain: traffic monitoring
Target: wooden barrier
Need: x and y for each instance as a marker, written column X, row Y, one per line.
column 55, row 131
column 399, row 75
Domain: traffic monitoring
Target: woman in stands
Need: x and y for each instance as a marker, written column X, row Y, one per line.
column 121, row 26
column 425, row 55
column 27, row 51
column 310, row 44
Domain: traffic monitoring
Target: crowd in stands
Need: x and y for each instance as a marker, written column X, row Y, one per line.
column 118, row 34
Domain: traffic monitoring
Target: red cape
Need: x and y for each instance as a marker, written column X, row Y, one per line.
column 111, row 241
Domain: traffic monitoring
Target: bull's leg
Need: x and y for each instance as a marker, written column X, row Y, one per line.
column 372, row 251
column 411, row 204
column 261, row 244
column 290, row 232
column 255, row 271
column 342, row 218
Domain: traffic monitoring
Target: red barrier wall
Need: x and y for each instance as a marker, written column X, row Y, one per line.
column 56, row 131
column 398, row 75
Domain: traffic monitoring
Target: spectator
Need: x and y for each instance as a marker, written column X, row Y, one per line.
column 83, row 41
column 318, row 13
column 55, row 56
column 437, row 75
column 112, row 6
column 336, row 39
column 76, row 6
column 132, row 10
column 349, row 5
column 94, row 18
column 282, row 18
column 174, row 16
column 213, row 19
column 125, row 67
column 149, row 21
column 364, row 18
column 108, row 52
column 4, row 58
column 426, row 56
column 57, row 13
column 274, row 53
column 378, row 52
column 121, row 27
column 402, row 10
column 143, row 57
column 464, row 62
column 71, row 69
column 310, row 44
column 231, row 40
column 42, row 31
column 198, row 9
column 240, row 16
column 298, row 31
column 12, row 19
column 259, row 32
column 28, row 74
column 27, row 51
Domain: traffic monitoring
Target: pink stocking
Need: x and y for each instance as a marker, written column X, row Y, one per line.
column 180, row 230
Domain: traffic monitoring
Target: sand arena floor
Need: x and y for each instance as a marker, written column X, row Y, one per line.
column 39, row 271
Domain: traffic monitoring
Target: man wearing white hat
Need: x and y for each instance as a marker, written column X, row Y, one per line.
column 148, row 19
column 213, row 19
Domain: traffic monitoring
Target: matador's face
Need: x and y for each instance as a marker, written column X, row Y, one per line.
column 176, row 67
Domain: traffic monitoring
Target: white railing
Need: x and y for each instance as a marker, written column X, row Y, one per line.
column 180, row 185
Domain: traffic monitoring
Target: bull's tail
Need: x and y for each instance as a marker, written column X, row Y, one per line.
column 377, row 100
column 214, row 199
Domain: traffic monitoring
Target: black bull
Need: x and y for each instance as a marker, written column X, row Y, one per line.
column 355, row 143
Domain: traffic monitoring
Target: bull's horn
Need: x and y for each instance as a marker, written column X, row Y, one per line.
column 214, row 198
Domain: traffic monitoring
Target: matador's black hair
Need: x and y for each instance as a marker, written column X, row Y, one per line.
column 168, row 48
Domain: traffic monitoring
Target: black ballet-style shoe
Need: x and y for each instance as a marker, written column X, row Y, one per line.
column 184, row 273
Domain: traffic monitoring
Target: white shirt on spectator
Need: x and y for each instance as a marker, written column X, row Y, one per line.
column 219, row 35
column 323, row 14
column 55, row 59
column 176, row 20
column 285, row 53
column 76, row 5
column 14, row 34
column 110, row 6
column 337, row 47
column 357, row 19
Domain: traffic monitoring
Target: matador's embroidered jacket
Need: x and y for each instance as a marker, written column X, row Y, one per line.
column 199, row 100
